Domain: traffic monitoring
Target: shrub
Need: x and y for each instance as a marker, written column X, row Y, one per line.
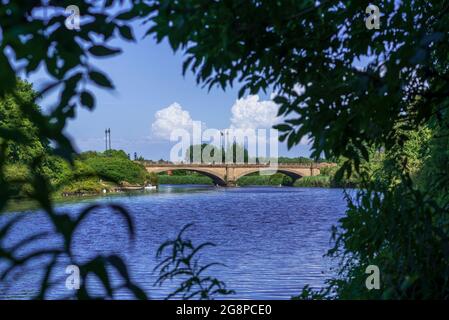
column 117, row 168
column 320, row 181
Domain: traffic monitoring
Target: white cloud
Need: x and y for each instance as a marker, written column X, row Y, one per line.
column 171, row 118
column 246, row 113
column 253, row 113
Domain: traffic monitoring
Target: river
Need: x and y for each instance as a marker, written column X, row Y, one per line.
column 271, row 239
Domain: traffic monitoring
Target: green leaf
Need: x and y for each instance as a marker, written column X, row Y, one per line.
column 283, row 127
column 126, row 32
column 87, row 100
column 100, row 79
column 103, row 51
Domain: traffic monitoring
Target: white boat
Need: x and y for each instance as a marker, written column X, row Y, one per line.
column 150, row 187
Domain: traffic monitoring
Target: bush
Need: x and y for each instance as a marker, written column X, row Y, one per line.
column 94, row 171
column 17, row 175
column 89, row 185
column 116, row 167
column 320, row 181
column 153, row 178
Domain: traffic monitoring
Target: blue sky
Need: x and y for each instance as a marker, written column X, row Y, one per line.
column 148, row 78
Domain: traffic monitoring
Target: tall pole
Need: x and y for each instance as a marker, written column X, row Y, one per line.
column 106, row 138
column 222, row 146
column 227, row 144
column 109, row 131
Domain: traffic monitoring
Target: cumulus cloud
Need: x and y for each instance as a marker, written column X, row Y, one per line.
column 253, row 113
column 246, row 113
column 171, row 118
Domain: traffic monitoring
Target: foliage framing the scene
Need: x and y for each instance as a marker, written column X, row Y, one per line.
column 180, row 260
column 357, row 93
column 352, row 90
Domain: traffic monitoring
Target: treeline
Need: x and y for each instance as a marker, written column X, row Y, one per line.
column 237, row 153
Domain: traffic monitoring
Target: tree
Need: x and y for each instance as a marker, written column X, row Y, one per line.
column 28, row 145
column 204, row 153
column 114, row 165
column 352, row 90
column 236, row 153
column 210, row 153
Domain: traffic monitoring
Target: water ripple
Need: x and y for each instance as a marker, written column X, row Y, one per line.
column 271, row 239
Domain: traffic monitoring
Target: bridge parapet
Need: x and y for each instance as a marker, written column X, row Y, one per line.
column 246, row 165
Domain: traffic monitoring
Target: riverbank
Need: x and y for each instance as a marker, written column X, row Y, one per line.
column 185, row 179
column 91, row 173
column 26, row 204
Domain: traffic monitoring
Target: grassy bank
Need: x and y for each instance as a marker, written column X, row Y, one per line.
column 320, row 181
column 187, row 179
column 279, row 179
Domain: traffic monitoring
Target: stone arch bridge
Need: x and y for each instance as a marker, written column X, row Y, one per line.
column 228, row 174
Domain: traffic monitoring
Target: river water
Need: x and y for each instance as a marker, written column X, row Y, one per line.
column 271, row 239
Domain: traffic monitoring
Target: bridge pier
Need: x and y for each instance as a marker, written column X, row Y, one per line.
column 231, row 183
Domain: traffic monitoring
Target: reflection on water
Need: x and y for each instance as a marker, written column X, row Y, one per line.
column 271, row 239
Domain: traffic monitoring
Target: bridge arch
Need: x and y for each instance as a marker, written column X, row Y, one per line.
column 293, row 174
column 216, row 178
